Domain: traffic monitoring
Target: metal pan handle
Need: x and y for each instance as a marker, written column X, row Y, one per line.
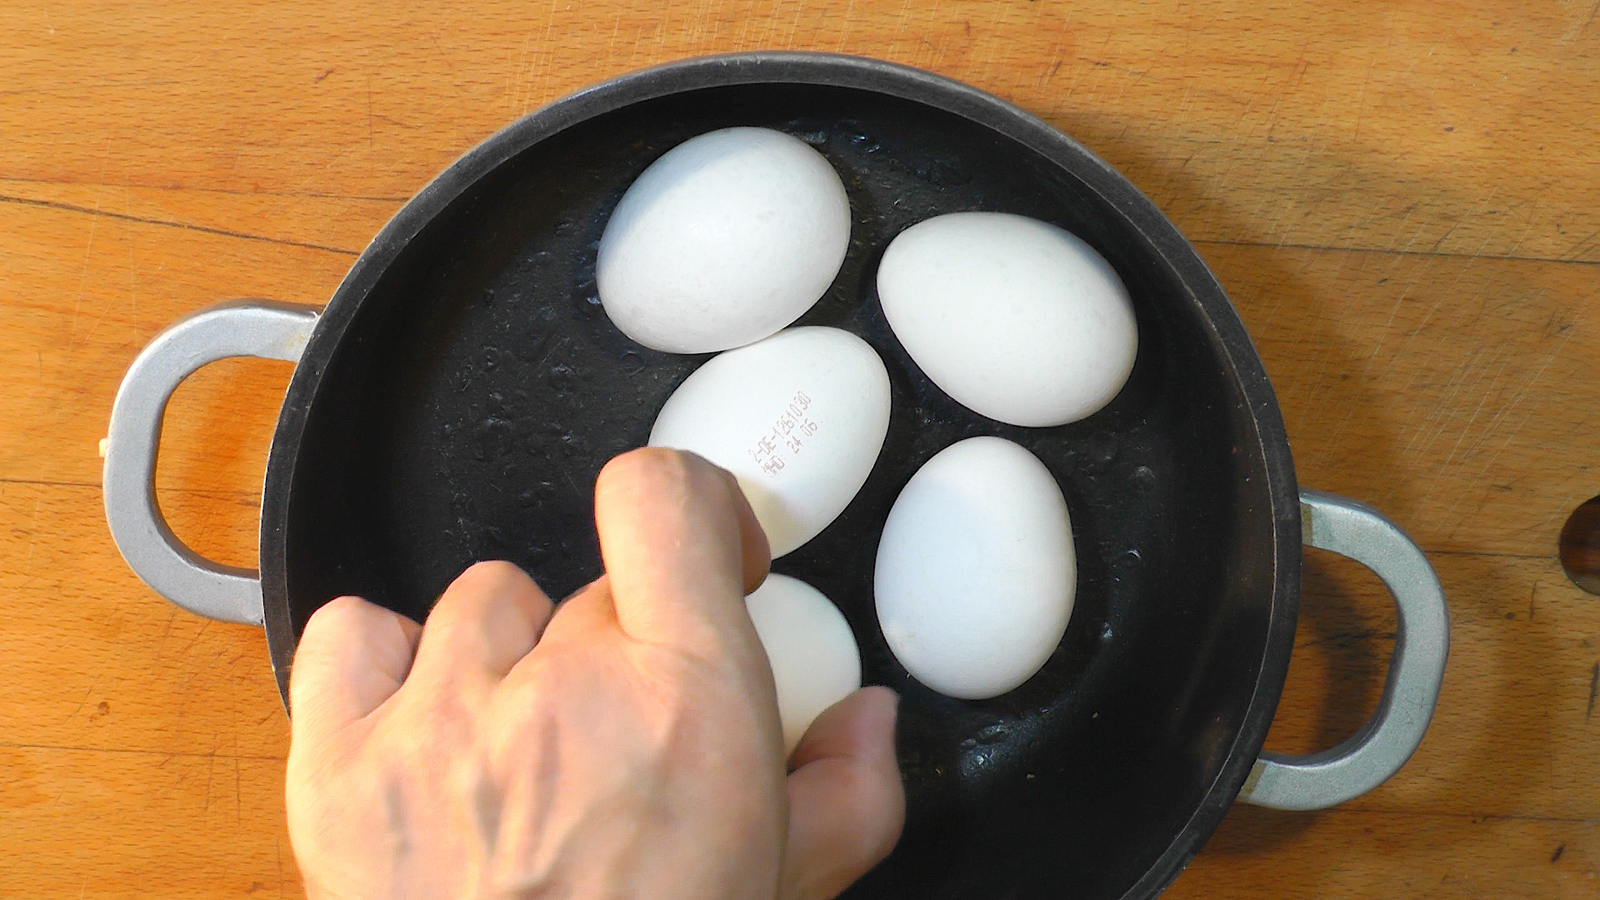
column 242, row 328
column 1416, row 671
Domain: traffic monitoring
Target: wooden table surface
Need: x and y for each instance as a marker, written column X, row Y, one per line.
column 1403, row 200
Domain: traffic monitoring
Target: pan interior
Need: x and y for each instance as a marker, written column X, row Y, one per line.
column 480, row 387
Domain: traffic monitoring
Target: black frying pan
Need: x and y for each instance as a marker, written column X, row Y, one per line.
column 463, row 387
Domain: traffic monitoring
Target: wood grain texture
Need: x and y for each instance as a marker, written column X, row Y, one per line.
column 1403, row 200
column 135, row 825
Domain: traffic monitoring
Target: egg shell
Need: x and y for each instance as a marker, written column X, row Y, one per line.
column 798, row 418
column 976, row 573
column 813, row 654
column 725, row 239
column 1014, row 318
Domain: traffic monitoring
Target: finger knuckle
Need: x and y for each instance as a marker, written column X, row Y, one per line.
column 464, row 600
column 339, row 617
column 486, row 581
column 428, row 720
column 493, row 573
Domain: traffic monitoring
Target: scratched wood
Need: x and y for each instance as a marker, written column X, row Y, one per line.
column 135, row 824
column 1403, row 201
column 1265, row 853
column 83, row 293
column 86, row 635
column 1449, row 126
column 1450, row 392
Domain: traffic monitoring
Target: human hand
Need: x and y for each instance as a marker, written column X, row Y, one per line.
column 622, row 744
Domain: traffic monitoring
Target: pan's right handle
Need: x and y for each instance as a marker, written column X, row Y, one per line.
column 243, row 328
column 1416, row 671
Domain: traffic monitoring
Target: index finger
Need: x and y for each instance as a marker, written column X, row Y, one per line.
column 680, row 546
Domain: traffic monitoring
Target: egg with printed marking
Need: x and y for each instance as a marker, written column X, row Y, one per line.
column 976, row 573
column 725, row 239
column 813, row 654
column 798, row 418
column 1014, row 318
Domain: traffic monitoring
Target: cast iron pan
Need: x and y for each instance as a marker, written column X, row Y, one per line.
column 463, row 388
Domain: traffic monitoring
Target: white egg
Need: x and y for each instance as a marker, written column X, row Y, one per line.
column 1015, row 318
column 798, row 418
column 814, row 658
column 976, row 572
column 722, row 241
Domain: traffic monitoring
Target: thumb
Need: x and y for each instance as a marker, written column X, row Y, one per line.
column 846, row 802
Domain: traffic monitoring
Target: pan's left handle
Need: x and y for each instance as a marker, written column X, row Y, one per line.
column 242, row 328
column 1416, row 670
